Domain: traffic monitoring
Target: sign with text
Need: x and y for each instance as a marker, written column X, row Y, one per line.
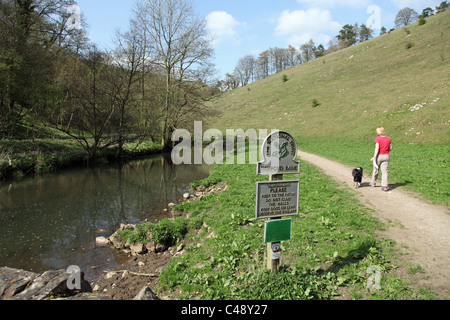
column 277, row 231
column 276, row 199
column 279, row 151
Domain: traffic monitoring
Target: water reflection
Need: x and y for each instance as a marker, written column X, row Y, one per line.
column 50, row 222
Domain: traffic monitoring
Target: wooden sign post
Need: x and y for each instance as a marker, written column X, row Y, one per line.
column 277, row 198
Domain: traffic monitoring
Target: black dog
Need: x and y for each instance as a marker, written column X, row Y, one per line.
column 357, row 177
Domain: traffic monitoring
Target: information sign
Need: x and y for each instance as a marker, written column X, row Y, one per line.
column 276, row 199
column 279, row 151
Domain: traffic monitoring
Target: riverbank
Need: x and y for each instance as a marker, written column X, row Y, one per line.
column 217, row 252
column 335, row 249
column 23, row 157
column 146, row 259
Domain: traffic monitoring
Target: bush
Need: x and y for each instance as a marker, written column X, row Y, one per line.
column 422, row 21
column 409, row 45
column 315, row 103
column 284, row 78
column 168, row 231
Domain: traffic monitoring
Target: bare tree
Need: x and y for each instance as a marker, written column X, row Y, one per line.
column 34, row 36
column 125, row 78
column 294, row 57
column 307, row 50
column 245, row 69
column 262, row 65
column 405, row 17
column 91, row 104
column 181, row 46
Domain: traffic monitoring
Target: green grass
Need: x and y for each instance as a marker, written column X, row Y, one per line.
column 423, row 168
column 166, row 232
column 333, row 245
column 333, row 104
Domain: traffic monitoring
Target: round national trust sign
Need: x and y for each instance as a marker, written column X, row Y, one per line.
column 279, row 151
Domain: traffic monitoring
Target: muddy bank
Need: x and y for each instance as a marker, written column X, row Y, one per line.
column 145, row 262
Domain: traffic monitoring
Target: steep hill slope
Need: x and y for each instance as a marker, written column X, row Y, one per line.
column 399, row 80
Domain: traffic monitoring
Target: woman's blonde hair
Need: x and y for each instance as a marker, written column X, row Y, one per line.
column 380, row 131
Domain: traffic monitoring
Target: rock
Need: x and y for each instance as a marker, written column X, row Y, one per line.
column 116, row 240
column 180, row 253
column 86, row 296
column 141, row 264
column 101, row 241
column 161, row 247
column 138, row 248
column 180, row 247
column 126, row 227
column 52, row 283
column 14, row 281
column 146, row 294
column 171, row 205
column 186, row 196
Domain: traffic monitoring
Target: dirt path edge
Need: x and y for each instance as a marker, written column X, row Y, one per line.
column 419, row 228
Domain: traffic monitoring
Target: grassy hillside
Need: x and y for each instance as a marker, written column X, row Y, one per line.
column 398, row 80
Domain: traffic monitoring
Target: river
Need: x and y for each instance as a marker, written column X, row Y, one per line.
column 51, row 222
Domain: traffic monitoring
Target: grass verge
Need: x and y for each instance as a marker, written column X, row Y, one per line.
column 331, row 255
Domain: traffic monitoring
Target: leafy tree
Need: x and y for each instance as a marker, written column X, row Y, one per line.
column 319, row 51
column 347, row 36
column 427, row 12
column 365, row 33
column 405, row 17
column 442, row 7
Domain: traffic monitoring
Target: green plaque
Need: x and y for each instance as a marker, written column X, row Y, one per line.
column 278, row 230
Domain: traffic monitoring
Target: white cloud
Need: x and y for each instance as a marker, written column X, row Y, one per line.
column 335, row 3
column 302, row 25
column 415, row 3
column 221, row 25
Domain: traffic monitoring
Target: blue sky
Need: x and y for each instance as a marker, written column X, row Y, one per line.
column 242, row 27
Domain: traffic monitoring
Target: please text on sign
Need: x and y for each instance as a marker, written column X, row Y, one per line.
column 277, row 199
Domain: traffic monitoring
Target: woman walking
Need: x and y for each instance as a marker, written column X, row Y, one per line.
column 383, row 147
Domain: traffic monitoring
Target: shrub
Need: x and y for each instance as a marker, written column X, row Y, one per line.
column 168, row 231
column 422, row 21
column 132, row 236
column 284, row 78
column 409, row 45
column 315, row 103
